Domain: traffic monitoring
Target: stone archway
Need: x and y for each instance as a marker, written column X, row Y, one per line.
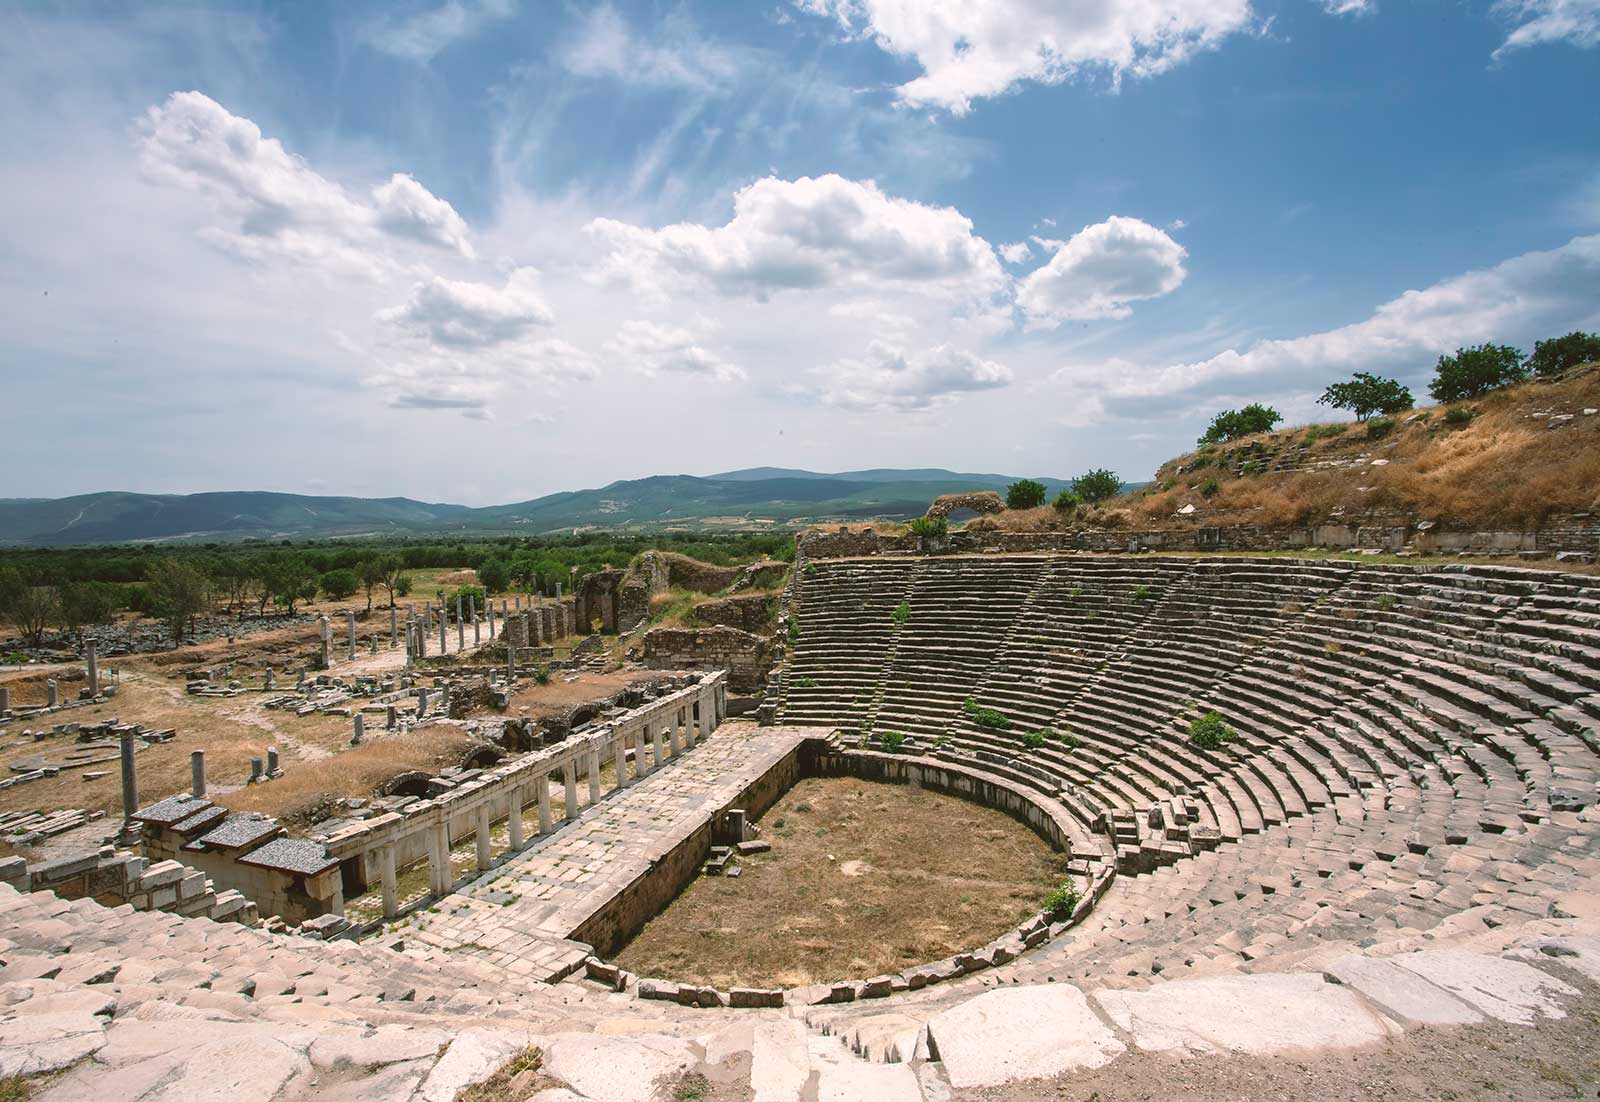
column 982, row 502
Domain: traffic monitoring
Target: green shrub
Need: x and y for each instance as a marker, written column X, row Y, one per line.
column 1034, row 740
column 1062, row 901
column 929, row 528
column 1379, row 427
column 1209, row 487
column 1476, row 370
column 1025, row 494
column 1251, row 466
column 1555, row 355
column 1096, row 485
column 805, row 682
column 901, row 614
column 1386, row 601
column 1068, row 739
column 985, row 717
column 941, row 742
column 1324, row 432
column 1141, row 592
column 1210, row 732
column 794, row 630
column 339, row 584
column 1367, row 394
column 891, row 741
column 542, row 675
column 1458, row 415
column 1067, row 502
column 1231, row 424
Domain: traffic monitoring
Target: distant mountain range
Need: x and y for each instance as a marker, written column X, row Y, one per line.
column 754, row 498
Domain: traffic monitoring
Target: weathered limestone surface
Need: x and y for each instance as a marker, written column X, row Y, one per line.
column 1020, row 1033
column 1248, row 1014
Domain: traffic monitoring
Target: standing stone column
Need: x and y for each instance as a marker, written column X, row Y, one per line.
column 325, row 633
column 485, row 848
column 658, row 746
column 708, row 723
column 391, row 884
column 130, row 782
column 394, row 627
column 391, row 718
column 491, row 619
column 350, row 621
column 641, row 767
column 273, row 768
column 197, row 774
column 542, row 789
column 444, row 642
column 620, row 750
column 5, row 699
column 270, row 680
column 676, row 730
column 439, row 877
column 52, row 692
column 689, row 725
column 360, row 729
column 514, row 818
column 93, row 666
column 594, row 773
column 569, row 780
column 461, row 627
column 422, row 701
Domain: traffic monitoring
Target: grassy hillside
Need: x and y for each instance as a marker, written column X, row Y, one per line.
column 1508, row 459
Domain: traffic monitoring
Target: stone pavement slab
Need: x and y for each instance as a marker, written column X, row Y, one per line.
column 1505, row 989
column 1400, row 992
column 1020, row 1033
column 1255, row 1014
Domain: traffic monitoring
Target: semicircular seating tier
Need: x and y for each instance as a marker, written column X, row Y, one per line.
column 1412, row 741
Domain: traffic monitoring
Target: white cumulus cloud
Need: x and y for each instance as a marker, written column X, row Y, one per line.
column 1018, row 252
column 407, row 209
column 970, row 49
column 889, row 379
column 1100, row 271
column 462, row 314
column 653, row 350
column 269, row 204
column 1537, row 294
column 810, row 234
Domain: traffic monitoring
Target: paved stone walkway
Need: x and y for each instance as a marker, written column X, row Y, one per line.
column 519, row 914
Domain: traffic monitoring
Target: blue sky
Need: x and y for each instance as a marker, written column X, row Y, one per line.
column 484, row 250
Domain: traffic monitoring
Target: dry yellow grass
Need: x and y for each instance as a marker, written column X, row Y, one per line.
column 355, row 772
column 1504, row 468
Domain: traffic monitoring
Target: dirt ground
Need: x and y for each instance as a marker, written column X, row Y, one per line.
column 537, row 700
column 230, row 730
column 1552, row 1060
column 862, row 879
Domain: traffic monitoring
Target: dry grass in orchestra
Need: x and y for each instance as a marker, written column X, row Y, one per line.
column 863, row 878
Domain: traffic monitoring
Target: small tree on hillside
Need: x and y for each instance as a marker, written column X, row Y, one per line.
column 86, row 603
column 1555, row 355
column 495, row 574
column 1026, row 494
column 1231, row 424
column 1477, row 370
column 178, row 592
column 339, row 584
column 34, row 608
column 1367, row 394
column 1096, row 485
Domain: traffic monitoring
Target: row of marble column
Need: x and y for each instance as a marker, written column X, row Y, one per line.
column 651, row 740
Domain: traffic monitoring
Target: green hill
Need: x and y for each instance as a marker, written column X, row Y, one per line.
column 759, row 497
